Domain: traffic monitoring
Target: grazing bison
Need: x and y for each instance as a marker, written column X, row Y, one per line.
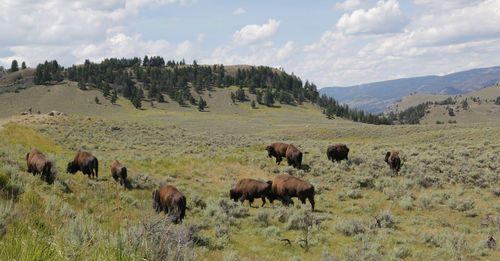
column 119, row 172
column 293, row 156
column 38, row 163
column 285, row 186
column 278, row 150
column 171, row 201
column 337, row 152
column 84, row 162
column 392, row 158
column 250, row 189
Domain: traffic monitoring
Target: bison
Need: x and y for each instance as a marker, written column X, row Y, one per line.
column 293, row 156
column 392, row 158
column 119, row 172
column 337, row 152
column 171, row 201
column 249, row 189
column 38, row 163
column 278, row 150
column 285, row 186
column 84, row 162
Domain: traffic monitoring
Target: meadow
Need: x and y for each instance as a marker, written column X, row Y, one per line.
column 443, row 205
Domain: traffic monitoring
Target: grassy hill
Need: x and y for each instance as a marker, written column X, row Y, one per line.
column 481, row 106
column 442, row 206
column 377, row 96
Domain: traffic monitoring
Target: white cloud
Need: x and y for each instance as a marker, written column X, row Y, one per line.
column 446, row 4
column 239, row 11
column 348, row 5
column 254, row 33
column 386, row 17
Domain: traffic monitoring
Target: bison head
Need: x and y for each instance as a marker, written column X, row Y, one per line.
column 387, row 155
column 234, row 195
column 72, row 167
column 156, row 201
column 270, row 151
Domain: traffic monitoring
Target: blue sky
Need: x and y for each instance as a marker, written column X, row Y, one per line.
column 331, row 43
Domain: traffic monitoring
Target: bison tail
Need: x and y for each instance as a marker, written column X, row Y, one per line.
column 96, row 167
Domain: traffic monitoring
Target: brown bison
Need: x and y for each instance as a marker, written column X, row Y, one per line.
column 84, row 162
column 171, row 201
column 285, row 186
column 337, row 152
column 38, row 163
column 392, row 158
column 249, row 189
column 119, row 172
column 278, row 150
column 293, row 156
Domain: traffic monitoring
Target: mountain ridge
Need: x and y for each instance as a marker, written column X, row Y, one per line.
column 377, row 96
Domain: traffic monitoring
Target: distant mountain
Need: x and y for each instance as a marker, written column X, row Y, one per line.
column 377, row 96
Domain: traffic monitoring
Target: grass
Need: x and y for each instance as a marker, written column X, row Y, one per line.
column 449, row 171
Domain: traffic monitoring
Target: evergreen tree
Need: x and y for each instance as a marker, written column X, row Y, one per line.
column 82, row 86
column 259, row 97
column 114, row 97
column 497, row 101
column 233, row 97
column 14, row 67
column 23, row 65
column 240, row 95
column 202, row 104
column 268, row 98
column 97, row 100
column 253, row 105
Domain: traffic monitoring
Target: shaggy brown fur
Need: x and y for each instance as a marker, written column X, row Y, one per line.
column 171, row 201
column 278, row 150
column 84, row 162
column 249, row 189
column 293, row 156
column 392, row 158
column 337, row 152
column 38, row 163
column 119, row 172
column 285, row 186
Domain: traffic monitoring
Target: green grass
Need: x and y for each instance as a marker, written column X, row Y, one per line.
column 204, row 154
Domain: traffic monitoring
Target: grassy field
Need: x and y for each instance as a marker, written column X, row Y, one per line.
column 444, row 205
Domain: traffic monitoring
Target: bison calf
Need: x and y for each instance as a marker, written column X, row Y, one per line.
column 277, row 150
column 337, row 152
column 392, row 158
column 285, row 186
column 38, row 163
column 293, row 156
column 171, row 201
column 84, row 162
column 119, row 172
column 249, row 189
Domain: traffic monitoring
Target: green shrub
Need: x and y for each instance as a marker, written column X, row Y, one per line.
column 406, row 203
column 402, row 252
column 461, row 204
column 350, row 227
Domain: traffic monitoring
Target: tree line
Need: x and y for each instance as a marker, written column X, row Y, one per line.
column 151, row 78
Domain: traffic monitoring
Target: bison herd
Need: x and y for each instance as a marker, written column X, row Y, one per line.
column 171, row 201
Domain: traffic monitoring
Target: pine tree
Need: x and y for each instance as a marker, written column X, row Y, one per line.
column 201, row 104
column 114, row 97
column 233, row 97
column 253, row 105
column 97, row 100
column 14, row 67
column 259, row 97
column 23, row 65
column 268, row 98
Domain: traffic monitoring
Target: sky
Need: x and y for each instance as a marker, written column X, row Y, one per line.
column 330, row 43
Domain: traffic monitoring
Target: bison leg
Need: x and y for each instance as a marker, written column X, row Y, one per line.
column 263, row 200
column 250, row 202
column 278, row 160
column 311, row 200
column 303, row 200
column 242, row 199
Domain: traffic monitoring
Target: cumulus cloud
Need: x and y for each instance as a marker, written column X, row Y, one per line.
column 386, row 17
column 254, row 33
column 348, row 5
column 239, row 11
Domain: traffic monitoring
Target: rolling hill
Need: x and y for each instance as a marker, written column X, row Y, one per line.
column 377, row 96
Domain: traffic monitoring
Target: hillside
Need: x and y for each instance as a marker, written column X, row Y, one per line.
column 473, row 107
column 376, row 97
